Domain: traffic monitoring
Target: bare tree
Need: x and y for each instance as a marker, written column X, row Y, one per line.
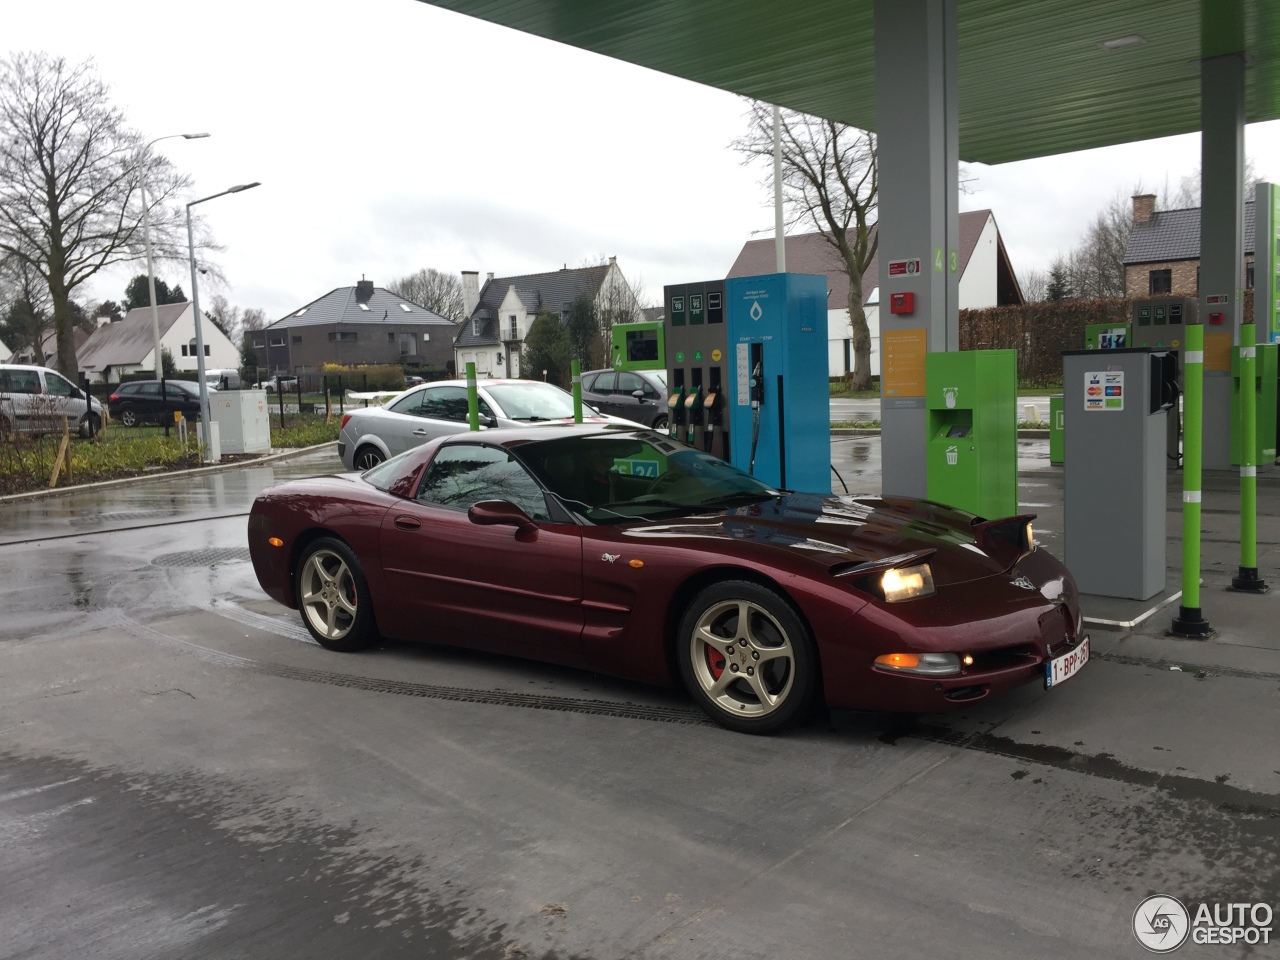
column 1034, row 284
column 829, row 182
column 254, row 318
column 438, row 292
column 69, row 174
column 1095, row 267
column 1188, row 192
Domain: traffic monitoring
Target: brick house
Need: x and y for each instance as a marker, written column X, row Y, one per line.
column 1162, row 257
column 355, row 325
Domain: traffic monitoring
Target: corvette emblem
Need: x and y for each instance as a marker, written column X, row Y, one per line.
column 610, row 556
column 1024, row 583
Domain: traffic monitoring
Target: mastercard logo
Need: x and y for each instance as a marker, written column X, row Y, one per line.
column 1095, row 391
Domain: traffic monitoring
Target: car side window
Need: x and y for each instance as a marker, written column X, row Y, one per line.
column 58, row 386
column 629, row 383
column 21, row 381
column 465, row 473
column 410, row 405
column 149, row 389
column 449, row 403
column 604, row 383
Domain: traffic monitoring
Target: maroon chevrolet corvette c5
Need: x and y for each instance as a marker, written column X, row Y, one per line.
column 622, row 551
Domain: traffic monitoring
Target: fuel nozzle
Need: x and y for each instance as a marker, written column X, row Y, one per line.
column 711, row 410
column 693, row 410
column 675, row 411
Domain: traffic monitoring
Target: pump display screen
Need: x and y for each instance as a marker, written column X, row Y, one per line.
column 642, row 345
column 959, row 430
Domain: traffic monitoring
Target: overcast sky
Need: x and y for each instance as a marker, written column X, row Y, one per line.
column 390, row 135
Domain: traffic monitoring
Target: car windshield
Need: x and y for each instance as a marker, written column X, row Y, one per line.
column 531, row 401
column 616, row 477
column 661, row 377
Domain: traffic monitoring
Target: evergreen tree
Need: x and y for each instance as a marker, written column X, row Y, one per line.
column 1059, row 287
column 547, row 347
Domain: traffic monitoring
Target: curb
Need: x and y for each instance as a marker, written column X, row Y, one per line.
column 162, row 475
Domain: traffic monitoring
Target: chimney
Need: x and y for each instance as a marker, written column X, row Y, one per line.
column 613, row 261
column 364, row 291
column 490, row 276
column 1144, row 205
column 470, row 291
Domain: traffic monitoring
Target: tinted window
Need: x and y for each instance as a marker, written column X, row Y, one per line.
column 126, row 389
column 19, row 381
column 449, row 403
column 58, row 386
column 149, row 389
column 464, row 473
column 409, row 405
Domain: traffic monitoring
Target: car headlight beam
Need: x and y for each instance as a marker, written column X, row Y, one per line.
column 907, row 583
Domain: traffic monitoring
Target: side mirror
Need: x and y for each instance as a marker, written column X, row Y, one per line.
column 500, row 513
column 639, row 395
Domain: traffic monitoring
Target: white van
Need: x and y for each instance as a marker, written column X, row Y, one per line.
column 34, row 400
column 223, row 379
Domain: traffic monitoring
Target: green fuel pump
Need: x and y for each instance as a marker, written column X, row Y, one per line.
column 675, row 406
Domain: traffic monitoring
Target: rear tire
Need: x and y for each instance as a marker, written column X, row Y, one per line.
column 129, row 417
column 333, row 596
column 90, row 426
column 367, row 457
column 661, row 423
column 747, row 658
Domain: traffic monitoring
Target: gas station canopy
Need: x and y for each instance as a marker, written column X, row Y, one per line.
column 1036, row 77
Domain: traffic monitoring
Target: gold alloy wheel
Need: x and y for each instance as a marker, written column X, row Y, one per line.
column 327, row 592
column 742, row 658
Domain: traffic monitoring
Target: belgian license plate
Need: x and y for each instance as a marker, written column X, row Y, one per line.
column 1066, row 666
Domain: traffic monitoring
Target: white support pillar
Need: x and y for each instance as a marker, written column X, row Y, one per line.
column 917, row 127
column 1221, row 241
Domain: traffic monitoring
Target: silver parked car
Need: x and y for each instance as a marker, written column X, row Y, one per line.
column 34, row 400
column 373, row 434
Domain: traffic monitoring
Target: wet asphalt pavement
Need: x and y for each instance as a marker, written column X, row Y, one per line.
column 183, row 773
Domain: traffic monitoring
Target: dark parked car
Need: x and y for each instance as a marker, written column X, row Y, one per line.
column 636, row 395
column 621, row 551
column 139, row 401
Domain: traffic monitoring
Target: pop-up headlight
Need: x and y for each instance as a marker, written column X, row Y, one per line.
column 907, row 583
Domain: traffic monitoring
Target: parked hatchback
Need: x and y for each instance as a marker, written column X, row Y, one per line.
column 373, row 434
column 636, row 395
column 35, row 400
column 140, row 401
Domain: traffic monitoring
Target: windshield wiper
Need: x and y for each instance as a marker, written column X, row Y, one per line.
column 531, row 419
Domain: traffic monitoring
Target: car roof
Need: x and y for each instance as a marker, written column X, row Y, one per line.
column 516, row 436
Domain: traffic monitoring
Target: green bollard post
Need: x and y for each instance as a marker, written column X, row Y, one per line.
column 575, row 368
column 1190, row 621
column 473, row 399
column 1247, row 580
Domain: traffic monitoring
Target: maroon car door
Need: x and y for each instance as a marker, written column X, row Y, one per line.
column 454, row 581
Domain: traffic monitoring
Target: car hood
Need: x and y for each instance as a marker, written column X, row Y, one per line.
column 839, row 533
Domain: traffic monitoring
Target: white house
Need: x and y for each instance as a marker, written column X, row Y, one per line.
column 128, row 346
column 499, row 314
column 986, row 280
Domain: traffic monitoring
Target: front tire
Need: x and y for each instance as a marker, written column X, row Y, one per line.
column 333, row 596
column 747, row 658
column 661, row 424
column 129, row 417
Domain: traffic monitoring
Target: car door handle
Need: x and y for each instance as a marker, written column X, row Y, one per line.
column 407, row 523
column 420, row 432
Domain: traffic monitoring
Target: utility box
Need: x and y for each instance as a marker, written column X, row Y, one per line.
column 1264, row 368
column 779, row 401
column 1057, row 421
column 972, row 403
column 1114, row 476
column 1106, row 336
column 639, row 346
column 243, row 420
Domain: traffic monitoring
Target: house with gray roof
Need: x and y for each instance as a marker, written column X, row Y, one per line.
column 987, row 279
column 1162, row 257
column 128, row 345
column 356, row 325
column 499, row 314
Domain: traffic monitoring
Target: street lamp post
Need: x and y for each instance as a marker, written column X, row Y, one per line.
column 146, row 235
column 206, row 433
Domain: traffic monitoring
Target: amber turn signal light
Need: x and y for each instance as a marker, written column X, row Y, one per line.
column 276, row 542
column 899, row 660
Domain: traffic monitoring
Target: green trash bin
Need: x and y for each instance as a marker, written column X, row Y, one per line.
column 1057, row 445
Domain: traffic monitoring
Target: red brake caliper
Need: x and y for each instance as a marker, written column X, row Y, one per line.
column 715, row 662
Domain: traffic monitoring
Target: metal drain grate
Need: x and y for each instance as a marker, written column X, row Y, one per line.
column 203, row 558
column 113, row 517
